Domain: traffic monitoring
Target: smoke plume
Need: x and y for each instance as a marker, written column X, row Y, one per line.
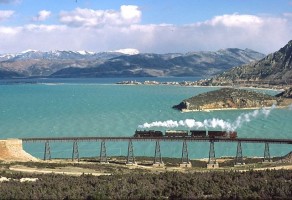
column 212, row 123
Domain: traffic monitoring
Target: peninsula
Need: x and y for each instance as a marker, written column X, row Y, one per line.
column 230, row 98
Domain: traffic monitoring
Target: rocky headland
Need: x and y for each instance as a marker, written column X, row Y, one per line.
column 230, row 98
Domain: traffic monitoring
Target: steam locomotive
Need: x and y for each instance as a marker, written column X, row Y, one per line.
column 185, row 133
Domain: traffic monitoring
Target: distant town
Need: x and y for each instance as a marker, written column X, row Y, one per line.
column 183, row 83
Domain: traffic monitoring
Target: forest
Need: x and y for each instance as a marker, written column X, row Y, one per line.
column 266, row 184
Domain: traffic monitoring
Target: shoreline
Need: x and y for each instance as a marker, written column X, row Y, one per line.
column 194, row 84
column 227, row 109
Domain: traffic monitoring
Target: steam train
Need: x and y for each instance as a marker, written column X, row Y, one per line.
column 185, row 133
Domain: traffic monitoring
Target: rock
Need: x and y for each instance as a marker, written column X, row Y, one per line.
column 11, row 150
column 286, row 94
column 286, row 159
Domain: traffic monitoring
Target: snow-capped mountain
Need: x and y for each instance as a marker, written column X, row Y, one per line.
column 44, row 63
column 57, row 54
column 123, row 62
column 6, row 57
column 63, row 55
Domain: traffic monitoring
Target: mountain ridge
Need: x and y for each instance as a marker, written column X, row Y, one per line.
column 274, row 69
column 116, row 64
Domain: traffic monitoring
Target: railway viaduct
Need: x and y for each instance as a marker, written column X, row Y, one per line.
column 157, row 157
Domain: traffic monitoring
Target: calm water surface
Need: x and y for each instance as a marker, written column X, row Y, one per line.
column 97, row 107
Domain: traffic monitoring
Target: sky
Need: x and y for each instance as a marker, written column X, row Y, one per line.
column 150, row 26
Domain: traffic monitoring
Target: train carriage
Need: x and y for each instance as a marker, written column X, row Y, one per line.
column 148, row 133
column 198, row 133
column 232, row 134
column 176, row 133
column 214, row 134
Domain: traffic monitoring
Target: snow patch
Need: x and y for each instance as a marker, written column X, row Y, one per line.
column 85, row 52
column 7, row 56
column 127, row 51
column 27, row 51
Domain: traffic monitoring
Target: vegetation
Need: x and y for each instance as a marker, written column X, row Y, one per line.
column 173, row 185
column 139, row 183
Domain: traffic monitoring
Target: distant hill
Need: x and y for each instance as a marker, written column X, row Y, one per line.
column 121, row 63
column 274, row 69
column 37, row 63
column 8, row 74
column 191, row 64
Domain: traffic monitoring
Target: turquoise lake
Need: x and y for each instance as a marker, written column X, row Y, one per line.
column 98, row 107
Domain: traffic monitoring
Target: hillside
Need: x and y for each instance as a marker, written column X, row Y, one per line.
column 229, row 98
column 36, row 63
column 274, row 69
column 118, row 64
column 191, row 64
column 8, row 74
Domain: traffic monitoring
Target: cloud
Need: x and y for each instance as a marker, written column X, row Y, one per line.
column 5, row 14
column 288, row 14
column 131, row 13
column 128, row 14
column 262, row 33
column 42, row 16
column 105, row 30
column 234, row 20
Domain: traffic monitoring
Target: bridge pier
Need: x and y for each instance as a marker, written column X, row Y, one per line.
column 130, row 157
column 185, row 162
column 157, row 157
column 212, row 159
column 75, row 152
column 103, row 157
column 47, row 154
column 239, row 158
column 267, row 156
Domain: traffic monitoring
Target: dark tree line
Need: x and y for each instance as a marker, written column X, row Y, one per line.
column 269, row 184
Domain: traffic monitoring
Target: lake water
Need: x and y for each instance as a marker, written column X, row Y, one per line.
column 98, row 107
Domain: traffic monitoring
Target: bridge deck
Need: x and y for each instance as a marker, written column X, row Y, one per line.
column 206, row 139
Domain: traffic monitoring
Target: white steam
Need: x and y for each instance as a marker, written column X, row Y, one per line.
column 212, row 123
